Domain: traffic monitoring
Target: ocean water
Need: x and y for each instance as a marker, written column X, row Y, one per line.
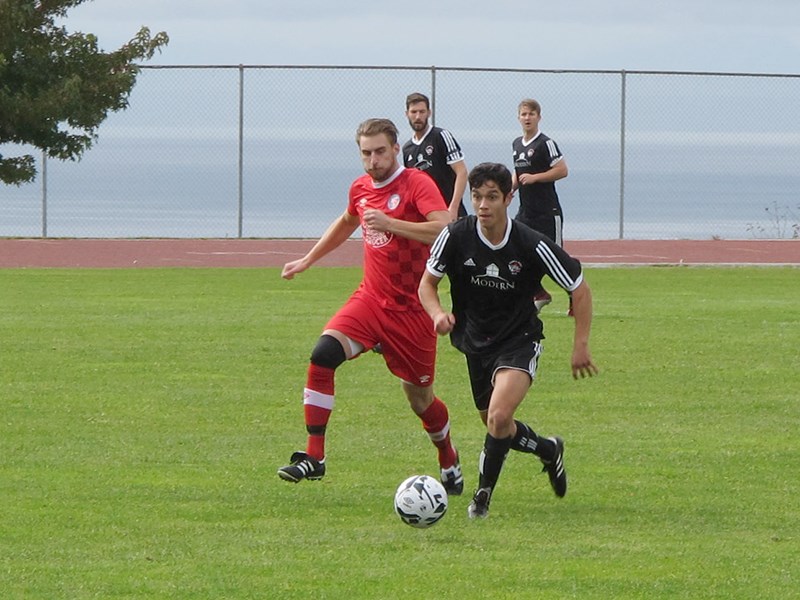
column 190, row 188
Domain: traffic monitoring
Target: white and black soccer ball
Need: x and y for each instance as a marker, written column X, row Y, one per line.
column 420, row 501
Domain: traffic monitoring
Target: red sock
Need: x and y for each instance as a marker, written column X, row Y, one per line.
column 436, row 421
column 318, row 400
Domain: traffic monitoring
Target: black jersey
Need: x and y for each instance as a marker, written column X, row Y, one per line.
column 537, row 156
column 434, row 154
column 492, row 287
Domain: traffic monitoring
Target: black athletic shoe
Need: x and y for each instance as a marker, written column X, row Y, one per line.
column 555, row 468
column 303, row 467
column 453, row 480
column 479, row 507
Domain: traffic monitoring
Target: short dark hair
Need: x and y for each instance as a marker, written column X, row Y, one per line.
column 488, row 171
column 372, row 127
column 417, row 97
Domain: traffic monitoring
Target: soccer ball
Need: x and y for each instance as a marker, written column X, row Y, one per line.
column 420, row 501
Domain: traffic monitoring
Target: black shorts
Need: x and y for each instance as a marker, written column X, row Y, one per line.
column 483, row 367
column 550, row 225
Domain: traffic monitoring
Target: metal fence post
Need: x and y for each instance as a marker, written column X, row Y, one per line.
column 622, row 157
column 241, row 148
column 44, row 194
column 433, row 96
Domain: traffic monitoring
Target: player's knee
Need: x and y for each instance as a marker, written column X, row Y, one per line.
column 328, row 352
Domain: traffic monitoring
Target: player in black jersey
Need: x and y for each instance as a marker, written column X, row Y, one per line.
column 538, row 164
column 494, row 265
column 435, row 151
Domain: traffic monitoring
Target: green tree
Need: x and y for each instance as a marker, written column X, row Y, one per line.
column 57, row 87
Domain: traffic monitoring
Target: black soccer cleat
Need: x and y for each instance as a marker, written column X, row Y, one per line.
column 303, row 467
column 555, row 468
column 453, row 479
column 479, row 507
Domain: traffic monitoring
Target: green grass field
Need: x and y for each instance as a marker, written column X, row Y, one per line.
column 144, row 413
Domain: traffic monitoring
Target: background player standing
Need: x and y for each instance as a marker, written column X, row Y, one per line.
column 435, row 151
column 400, row 212
column 538, row 164
column 494, row 264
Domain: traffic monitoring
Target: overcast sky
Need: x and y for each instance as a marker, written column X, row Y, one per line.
column 681, row 35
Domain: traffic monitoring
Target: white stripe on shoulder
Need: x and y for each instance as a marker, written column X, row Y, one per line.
column 439, row 243
column 551, row 149
column 449, row 140
column 554, row 266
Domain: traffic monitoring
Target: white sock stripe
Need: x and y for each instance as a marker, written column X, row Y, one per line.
column 438, row 436
column 315, row 398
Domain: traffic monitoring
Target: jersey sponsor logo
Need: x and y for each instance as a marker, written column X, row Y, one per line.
column 393, row 202
column 515, row 267
column 376, row 239
column 522, row 161
column 422, row 163
column 492, row 279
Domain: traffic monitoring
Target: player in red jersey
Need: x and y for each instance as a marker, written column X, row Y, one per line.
column 400, row 211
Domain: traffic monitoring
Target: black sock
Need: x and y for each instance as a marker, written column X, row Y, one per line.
column 492, row 458
column 525, row 440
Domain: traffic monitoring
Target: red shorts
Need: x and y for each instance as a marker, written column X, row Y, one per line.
column 407, row 338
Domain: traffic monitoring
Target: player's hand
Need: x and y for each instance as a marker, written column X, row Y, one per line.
column 582, row 364
column 291, row 269
column 376, row 219
column 443, row 323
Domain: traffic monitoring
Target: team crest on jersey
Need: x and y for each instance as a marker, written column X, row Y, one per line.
column 515, row 267
column 530, row 152
column 429, row 150
column 393, row 202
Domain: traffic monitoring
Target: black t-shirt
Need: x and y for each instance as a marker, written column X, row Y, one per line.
column 537, row 156
column 434, row 154
column 492, row 287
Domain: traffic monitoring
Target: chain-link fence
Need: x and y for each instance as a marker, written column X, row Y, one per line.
column 269, row 151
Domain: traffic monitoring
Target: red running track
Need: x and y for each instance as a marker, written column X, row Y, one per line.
column 133, row 253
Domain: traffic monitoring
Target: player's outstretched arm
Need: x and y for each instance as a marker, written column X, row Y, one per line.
column 336, row 234
column 582, row 364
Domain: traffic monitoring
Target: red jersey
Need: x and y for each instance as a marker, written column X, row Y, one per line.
column 393, row 265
